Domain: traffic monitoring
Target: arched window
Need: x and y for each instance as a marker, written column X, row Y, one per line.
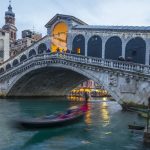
column 59, row 36
column 95, row 47
column 11, row 34
column 79, row 45
column 8, row 66
column 136, row 50
column 1, row 70
column 113, row 48
column 42, row 48
column 23, row 57
column 14, row 35
column 32, row 52
column 15, row 62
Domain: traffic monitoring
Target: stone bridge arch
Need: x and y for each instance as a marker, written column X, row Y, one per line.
column 71, row 77
column 78, row 45
column 94, row 46
column 32, row 53
column 136, row 49
column 42, row 48
column 113, row 48
column 23, row 58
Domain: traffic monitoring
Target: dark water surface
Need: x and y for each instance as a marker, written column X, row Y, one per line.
column 104, row 127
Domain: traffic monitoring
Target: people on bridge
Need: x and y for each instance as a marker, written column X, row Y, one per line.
column 120, row 58
column 48, row 50
column 63, row 51
column 67, row 51
column 57, row 50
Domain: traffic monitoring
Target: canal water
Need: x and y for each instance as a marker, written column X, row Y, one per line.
column 104, row 127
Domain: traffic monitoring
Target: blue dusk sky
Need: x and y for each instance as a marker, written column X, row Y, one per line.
column 36, row 13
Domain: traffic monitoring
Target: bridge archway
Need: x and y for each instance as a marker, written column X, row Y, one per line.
column 32, row 52
column 78, row 46
column 23, row 57
column 53, row 80
column 46, row 81
column 42, row 48
column 1, row 70
column 15, row 62
column 136, row 50
column 113, row 48
column 95, row 47
column 8, row 66
column 59, row 37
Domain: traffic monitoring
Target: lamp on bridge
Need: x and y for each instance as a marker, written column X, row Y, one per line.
column 78, row 50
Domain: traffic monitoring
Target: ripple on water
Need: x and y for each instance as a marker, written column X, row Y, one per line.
column 104, row 127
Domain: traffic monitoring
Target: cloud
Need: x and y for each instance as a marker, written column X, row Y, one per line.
column 35, row 13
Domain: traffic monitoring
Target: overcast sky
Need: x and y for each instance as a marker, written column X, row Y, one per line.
column 37, row 13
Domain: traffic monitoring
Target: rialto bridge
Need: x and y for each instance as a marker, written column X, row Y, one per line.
column 83, row 54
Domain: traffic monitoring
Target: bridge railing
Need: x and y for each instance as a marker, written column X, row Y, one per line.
column 123, row 65
column 119, row 65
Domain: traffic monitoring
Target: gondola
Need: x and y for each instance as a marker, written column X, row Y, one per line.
column 136, row 127
column 51, row 121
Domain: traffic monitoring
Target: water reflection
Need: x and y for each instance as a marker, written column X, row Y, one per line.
column 88, row 119
column 47, row 134
column 105, row 113
column 75, row 98
column 91, row 114
column 95, row 132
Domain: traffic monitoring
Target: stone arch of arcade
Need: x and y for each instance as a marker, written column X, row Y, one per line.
column 136, row 50
column 113, row 48
column 51, row 81
column 59, row 35
column 23, row 58
column 95, row 46
column 32, row 52
column 78, row 45
column 42, row 48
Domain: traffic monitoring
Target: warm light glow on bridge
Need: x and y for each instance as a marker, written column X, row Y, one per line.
column 59, row 37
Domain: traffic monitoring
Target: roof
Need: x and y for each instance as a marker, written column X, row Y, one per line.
column 9, row 12
column 113, row 28
column 1, row 30
column 62, row 16
column 8, row 26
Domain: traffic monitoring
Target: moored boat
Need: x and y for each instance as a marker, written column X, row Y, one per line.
column 143, row 114
column 136, row 127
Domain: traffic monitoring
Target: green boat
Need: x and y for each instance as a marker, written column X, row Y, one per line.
column 143, row 114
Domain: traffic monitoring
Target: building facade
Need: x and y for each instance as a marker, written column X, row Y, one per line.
column 4, row 45
column 12, row 45
column 108, row 42
column 10, row 24
column 28, row 38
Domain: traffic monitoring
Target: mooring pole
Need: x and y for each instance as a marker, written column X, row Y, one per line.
column 148, row 115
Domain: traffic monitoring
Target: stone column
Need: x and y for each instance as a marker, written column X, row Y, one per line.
column 147, row 54
column 86, row 43
column 103, row 46
column 70, row 40
column 123, row 48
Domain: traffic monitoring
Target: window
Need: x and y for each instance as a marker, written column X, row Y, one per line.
column 3, row 33
column 11, row 34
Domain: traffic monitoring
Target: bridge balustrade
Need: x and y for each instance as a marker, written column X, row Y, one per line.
column 124, row 66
